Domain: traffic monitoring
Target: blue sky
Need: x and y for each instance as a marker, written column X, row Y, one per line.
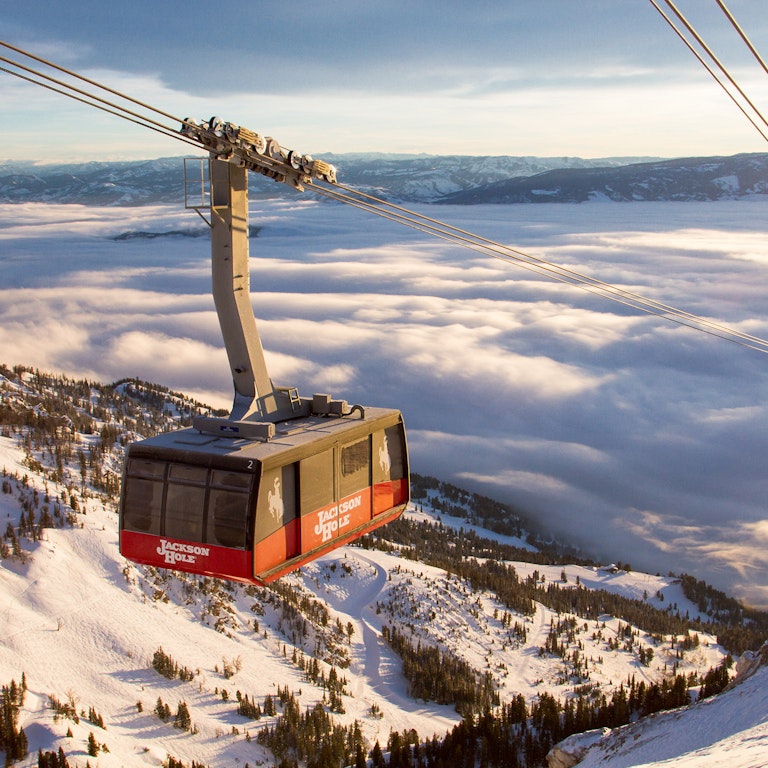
column 556, row 77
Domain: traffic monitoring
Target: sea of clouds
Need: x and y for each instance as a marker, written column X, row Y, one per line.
column 642, row 440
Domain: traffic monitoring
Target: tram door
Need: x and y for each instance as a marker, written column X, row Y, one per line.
column 276, row 527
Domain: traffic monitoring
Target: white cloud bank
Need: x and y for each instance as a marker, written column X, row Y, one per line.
column 644, row 441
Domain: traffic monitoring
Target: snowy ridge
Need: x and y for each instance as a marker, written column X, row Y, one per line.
column 730, row 729
column 84, row 627
column 455, row 179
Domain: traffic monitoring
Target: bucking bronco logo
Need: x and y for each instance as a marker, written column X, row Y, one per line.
column 275, row 502
column 385, row 463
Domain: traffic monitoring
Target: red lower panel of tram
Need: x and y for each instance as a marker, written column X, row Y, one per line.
column 291, row 546
column 204, row 559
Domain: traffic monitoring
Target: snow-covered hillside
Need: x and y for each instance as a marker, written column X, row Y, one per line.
column 728, row 730
column 92, row 636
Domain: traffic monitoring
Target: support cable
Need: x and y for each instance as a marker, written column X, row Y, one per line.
column 514, row 254
column 111, row 109
column 742, row 34
column 89, row 81
column 552, row 271
column 709, row 69
column 714, row 58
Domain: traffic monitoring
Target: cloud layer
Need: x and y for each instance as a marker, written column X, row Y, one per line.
column 642, row 440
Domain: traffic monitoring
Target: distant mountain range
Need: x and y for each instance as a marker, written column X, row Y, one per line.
column 686, row 179
column 450, row 179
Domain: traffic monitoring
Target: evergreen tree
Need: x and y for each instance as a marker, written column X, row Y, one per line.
column 377, row 756
column 183, row 721
column 13, row 740
column 93, row 745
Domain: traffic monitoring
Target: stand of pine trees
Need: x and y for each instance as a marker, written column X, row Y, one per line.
column 312, row 738
column 480, row 562
column 164, row 665
column 515, row 735
column 52, row 759
column 435, row 675
column 13, row 740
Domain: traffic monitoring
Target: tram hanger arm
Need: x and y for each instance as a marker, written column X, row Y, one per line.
column 234, row 151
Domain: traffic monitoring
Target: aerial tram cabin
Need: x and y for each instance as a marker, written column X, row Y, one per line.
column 284, row 479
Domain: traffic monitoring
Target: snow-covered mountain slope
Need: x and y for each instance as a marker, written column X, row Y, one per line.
column 728, row 730
column 93, row 637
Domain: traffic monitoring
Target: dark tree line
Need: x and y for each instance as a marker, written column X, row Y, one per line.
column 511, row 735
column 516, row 735
column 434, row 675
column 13, row 740
column 52, row 759
column 312, row 739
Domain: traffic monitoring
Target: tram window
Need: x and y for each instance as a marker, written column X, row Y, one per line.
column 316, row 482
column 389, row 454
column 228, row 518
column 184, row 507
column 143, row 502
column 188, row 474
column 355, row 467
column 145, row 468
column 230, row 479
column 277, row 500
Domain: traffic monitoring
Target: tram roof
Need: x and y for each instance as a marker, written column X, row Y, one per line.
column 292, row 435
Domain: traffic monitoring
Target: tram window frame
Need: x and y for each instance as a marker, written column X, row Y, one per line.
column 221, row 524
column 160, row 479
column 355, row 466
column 237, row 486
column 189, row 474
column 394, row 439
column 147, row 468
column 189, row 523
column 136, row 507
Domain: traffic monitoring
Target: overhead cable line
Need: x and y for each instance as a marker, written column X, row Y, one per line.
column 709, row 69
column 396, row 213
column 101, row 86
column 742, row 34
column 164, row 130
column 545, row 268
column 92, row 99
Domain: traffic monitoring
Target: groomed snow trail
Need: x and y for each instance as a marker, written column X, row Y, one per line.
column 376, row 666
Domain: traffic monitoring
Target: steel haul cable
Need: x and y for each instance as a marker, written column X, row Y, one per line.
column 554, row 271
column 715, row 59
column 742, row 34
